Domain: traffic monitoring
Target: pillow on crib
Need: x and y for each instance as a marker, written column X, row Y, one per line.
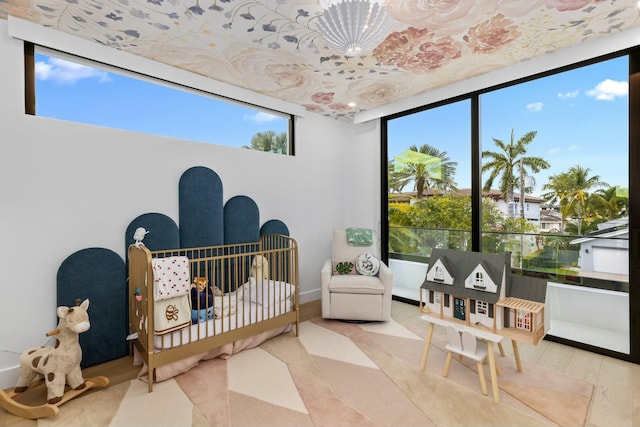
column 265, row 292
column 367, row 265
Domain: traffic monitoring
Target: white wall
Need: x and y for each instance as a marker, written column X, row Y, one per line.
column 66, row 186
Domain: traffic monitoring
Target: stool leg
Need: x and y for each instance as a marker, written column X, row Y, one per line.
column 447, row 364
column 483, row 383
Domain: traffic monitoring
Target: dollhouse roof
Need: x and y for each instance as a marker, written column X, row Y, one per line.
column 461, row 264
column 527, row 288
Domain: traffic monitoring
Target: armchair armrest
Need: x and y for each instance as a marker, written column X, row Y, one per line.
column 386, row 277
column 325, row 273
column 325, row 276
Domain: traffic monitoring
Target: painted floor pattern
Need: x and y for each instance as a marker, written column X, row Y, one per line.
column 334, row 374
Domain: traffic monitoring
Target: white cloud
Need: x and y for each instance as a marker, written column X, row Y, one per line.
column 65, row 72
column 563, row 149
column 569, row 95
column 535, row 107
column 608, row 90
column 261, row 117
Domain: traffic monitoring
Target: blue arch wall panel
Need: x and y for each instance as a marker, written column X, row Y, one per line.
column 200, row 208
column 99, row 275
column 163, row 232
column 274, row 226
column 241, row 221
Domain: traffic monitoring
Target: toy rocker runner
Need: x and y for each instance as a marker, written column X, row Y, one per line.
column 58, row 365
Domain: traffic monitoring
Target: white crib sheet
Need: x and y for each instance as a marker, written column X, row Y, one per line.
column 246, row 313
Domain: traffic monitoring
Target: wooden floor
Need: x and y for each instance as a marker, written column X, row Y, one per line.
column 616, row 398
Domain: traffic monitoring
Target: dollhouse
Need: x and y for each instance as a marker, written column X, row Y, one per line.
column 478, row 290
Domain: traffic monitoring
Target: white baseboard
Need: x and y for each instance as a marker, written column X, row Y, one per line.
column 9, row 368
column 309, row 296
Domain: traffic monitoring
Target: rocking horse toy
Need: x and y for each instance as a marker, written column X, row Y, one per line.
column 58, row 366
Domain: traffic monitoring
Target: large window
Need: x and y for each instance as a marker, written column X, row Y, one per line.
column 547, row 165
column 555, row 155
column 78, row 90
column 428, row 176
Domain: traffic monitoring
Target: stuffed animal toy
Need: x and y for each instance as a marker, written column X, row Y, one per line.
column 259, row 268
column 258, row 272
column 59, row 365
column 202, row 299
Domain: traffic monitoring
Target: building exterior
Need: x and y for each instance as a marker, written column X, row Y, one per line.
column 550, row 220
column 605, row 252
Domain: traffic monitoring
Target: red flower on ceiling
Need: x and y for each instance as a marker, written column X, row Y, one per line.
column 323, row 97
column 491, row 34
column 416, row 50
column 340, row 107
column 313, row 108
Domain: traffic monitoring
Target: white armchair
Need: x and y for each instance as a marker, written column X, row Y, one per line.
column 355, row 296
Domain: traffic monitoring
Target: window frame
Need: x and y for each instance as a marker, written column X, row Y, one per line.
column 30, row 89
column 633, row 54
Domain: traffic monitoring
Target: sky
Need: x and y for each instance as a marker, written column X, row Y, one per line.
column 75, row 92
column 580, row 116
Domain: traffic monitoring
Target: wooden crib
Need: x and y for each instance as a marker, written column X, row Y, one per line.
column 252, row 305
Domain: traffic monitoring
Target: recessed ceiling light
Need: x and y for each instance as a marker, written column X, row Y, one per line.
column 352, row 104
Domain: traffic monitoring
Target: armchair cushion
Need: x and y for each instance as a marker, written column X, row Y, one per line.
column 356, row 285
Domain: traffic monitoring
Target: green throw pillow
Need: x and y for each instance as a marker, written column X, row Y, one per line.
column 344, row 267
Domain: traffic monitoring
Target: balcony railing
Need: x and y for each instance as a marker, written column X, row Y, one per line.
column 593, row 260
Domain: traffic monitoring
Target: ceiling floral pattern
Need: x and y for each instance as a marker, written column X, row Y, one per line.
column 273, row 47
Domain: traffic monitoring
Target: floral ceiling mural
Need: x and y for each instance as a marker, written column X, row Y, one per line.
column 273, row 46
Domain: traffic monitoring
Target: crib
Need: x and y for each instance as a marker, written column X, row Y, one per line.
column 249, row 306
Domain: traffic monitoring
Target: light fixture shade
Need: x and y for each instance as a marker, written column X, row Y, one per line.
column 354, row 27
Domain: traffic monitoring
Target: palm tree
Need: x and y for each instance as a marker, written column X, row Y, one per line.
column 270, row 141
column 435, row 171
column 573, row 191
column 581, row 183
column 609, row 203
column 394, row 184
column 510, row 164
column 559, row 186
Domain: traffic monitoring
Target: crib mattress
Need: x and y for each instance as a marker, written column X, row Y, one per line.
column 246, row 313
